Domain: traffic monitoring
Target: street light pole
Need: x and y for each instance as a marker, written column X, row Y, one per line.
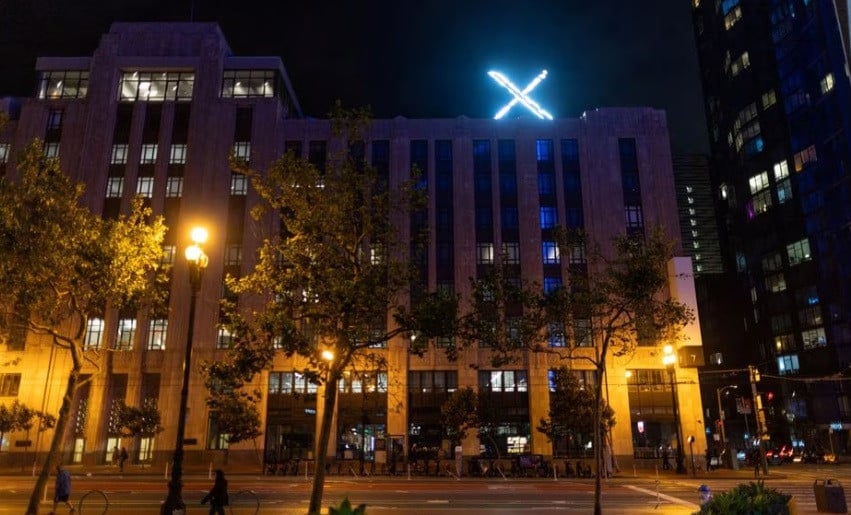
column 721, row 419
column 669, row 360
column 197, row 261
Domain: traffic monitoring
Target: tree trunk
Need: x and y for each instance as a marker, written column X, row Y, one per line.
column 322, row 449
column 54, row 455
column 598, row 440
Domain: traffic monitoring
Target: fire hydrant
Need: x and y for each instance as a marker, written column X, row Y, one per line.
column 705, row 494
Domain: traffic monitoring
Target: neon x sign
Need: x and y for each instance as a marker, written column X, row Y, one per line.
column 521, row 97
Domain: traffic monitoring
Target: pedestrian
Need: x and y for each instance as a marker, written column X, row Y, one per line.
column 62, row 490
column 121, row 459
column 116, row 454
column 708, row 459
column 666, row 464
column 218, row 495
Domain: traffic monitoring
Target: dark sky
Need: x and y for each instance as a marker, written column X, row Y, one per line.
column 423, row 58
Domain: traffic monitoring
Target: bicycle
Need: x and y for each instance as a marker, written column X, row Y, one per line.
column 99, row 502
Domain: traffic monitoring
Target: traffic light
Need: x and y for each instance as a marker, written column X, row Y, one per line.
column 769, row 396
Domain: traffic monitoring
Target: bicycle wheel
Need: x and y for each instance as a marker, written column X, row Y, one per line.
column 244, row 502
column 94, row 501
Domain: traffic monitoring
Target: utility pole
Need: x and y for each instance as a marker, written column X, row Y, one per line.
column 759, row 414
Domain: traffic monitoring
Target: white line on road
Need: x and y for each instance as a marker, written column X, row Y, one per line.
column 437, row 501
column 669, row 498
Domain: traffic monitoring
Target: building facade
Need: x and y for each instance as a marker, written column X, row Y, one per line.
column 776, row 86
column 157, row 110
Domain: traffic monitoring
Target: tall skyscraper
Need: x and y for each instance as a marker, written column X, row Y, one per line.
column 776, row 87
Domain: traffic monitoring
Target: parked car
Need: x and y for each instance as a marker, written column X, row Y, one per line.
column 780, row 455
column 817, row 456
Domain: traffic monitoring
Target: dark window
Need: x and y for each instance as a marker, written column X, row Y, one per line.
column 9, row 385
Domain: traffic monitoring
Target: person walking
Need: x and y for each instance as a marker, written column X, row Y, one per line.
column 218, row 495
column 116, row 454
column 62, row 489
column 121, row 459
column 666, row 453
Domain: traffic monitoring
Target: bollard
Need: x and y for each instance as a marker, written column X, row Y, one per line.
column 210, row 471
column 705, row 494
column 166, row 470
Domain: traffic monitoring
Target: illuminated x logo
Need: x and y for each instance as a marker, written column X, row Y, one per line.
column 520, row 96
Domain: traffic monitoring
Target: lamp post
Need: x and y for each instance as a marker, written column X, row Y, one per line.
column 721, row 419
column 197, row 261
column 669, row 360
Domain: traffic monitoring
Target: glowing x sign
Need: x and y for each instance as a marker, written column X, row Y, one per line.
column 520, row 96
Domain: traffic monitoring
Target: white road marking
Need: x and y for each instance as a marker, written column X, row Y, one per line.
column 669, row 498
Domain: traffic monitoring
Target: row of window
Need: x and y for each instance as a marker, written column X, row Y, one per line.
column 173, row 187
column 511, row 253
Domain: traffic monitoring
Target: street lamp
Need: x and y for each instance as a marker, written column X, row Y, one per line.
column 721, row 418
column 670, row 360
column 197, row 261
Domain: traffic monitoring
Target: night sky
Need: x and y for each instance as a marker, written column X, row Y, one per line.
column 426, row 58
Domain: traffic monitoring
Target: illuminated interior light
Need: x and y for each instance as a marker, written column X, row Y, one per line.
column 521, row 97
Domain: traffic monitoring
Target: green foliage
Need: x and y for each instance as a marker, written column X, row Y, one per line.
column 747, row 499
column 459, row 413
column 20, row 417
column 61, row 263
column 141, row 421
column 345, row 508
column 572, row 408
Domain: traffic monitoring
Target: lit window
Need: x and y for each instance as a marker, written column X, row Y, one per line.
column 51, row 150
column 769, row 98
column 692, row 211
column 511, row 253
column 174, row 187
column 63, row 84
column 233, row 255
column 775, row 283
column 690, row 200
column 813, row 338
column 149, row 154
column 798, row 252
column 94, row 334
column 224, row 338
column 784, row 191
column 156, row 86
column 242, row 150
column 145, row 187
column 741, row 63
column 781, row 170
column 177, row 155
column 555, row 335
column 216, row 438
column 788, row 364
column 157, row 332
column 484, row 253
column 826, row 84
column 758, row 182
column 697, row 257
column 376, row 254
column 114, row 187
column 4, row 153
column 119, row 154
column 238, row 184
column 549, row 217
column 689, row 189
column 758, row 204
column 248, row 83
column 550, row 253
column 167, row 257
column 695, row 244
column 694, row 234
column 732, row 17
column 802, row 158
column 126, row 334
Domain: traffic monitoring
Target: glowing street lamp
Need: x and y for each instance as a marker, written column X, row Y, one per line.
column 670, row 361
column 197, row 261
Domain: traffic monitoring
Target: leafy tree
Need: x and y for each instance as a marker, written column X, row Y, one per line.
column 327, row 278
column 458, row 414
column 20, row 417
column 61, row 264
column 143, row 421
column 572, row 407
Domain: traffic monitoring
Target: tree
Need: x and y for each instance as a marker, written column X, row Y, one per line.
column 20, row 417
column 143, row 421
column 572, row 407
column 458, row 414
column 61, row 264
column 328, row 276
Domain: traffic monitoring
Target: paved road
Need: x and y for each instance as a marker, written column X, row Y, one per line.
column 642, row 494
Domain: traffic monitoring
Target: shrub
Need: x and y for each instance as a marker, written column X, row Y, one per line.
column 753, row 498
column 345, row 508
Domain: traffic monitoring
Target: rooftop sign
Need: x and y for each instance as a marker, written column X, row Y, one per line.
column 521, row 97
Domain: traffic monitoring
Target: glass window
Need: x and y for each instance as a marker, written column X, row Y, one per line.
column 149, row 154
column 634, row 216
column 769, row 98
column 233, row 255
column 781, row 170
column 238, row 184
column 114, row 187
column 54, row 119
column 577, row 254
column 126, row 334
column 551, row 284
column 9, row 385
column 145, row 187
column 248, row 83
column 156, row 86
column 157, row 332
column 758, row 182
column 63, row 84
column 51, row 149
column 784, row 191
column 94, row 334
column 798, row 252
column 555, row 335
column 549, row 217
column 174, row 187
column 788, row 364
column 242, row 150
column 119, row 154
column 511, row 253
column 802, row 158
column 4, row 153
column 813, row 338
column 484, row 253
column 177, row 155
column 732, row 17
column 550, row 253
column 216, row 439
column 826, row 83
column 224, row 338
column 167, row 257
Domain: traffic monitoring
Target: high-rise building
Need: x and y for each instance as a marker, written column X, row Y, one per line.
column 156, row 111
column 776, row 87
